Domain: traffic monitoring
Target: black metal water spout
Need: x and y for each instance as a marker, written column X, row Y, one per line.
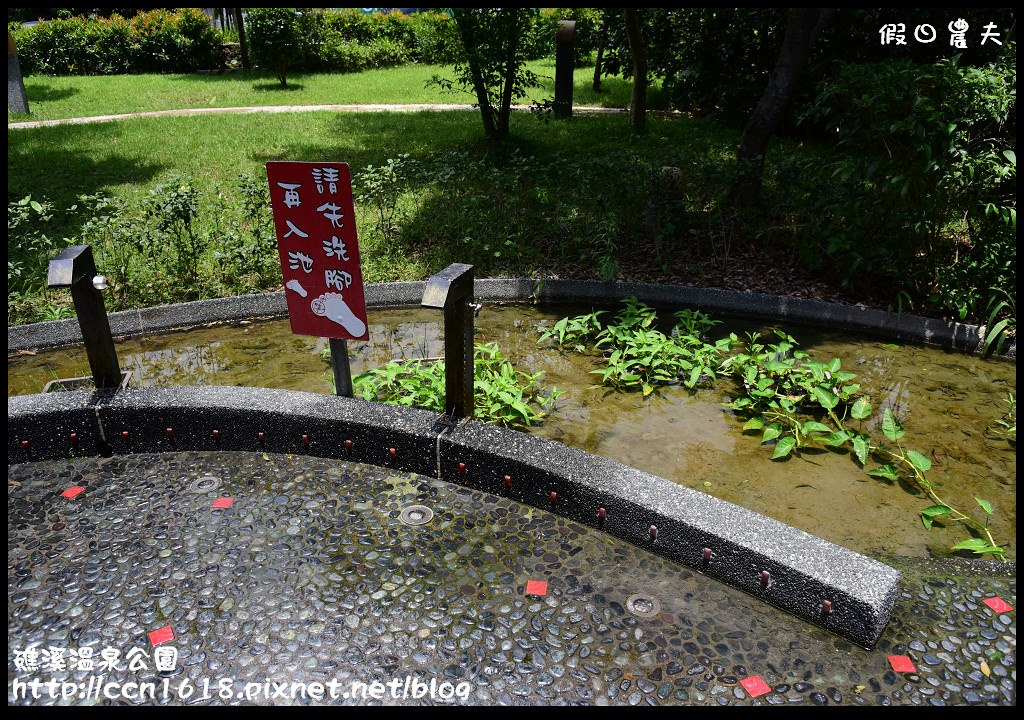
column 451, row 290
column 75, row 268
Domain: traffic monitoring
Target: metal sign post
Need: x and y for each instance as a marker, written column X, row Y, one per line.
column 342, row 371
column 315, row 223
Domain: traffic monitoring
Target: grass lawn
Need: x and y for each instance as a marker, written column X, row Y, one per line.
column 64, row 97
column 552, row 196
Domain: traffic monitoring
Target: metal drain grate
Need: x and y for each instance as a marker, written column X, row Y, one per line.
column 643, row 606
column 204, row 484
column 416, row 515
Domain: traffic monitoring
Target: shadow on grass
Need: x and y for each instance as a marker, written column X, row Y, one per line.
column 38, row 92
column 534, row 200
column 614, row 93
column 277, row 87
column 50, row 158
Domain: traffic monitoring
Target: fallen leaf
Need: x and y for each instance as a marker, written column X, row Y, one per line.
column 985, row 668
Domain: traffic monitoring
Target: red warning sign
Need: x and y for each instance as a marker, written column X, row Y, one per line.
column 316, row 238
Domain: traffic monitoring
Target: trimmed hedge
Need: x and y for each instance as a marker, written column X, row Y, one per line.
column 323, row 40
column 155, row 41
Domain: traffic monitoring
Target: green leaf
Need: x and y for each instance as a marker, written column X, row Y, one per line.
column 975, row 544
column 694, row 377
column 985, row 505
column 771, row 432
column 838, row 438
column 1011, row 156
column 934, row 511
column 784, row 447
column 825, row 397
column 813, row 426
column 918, row 460
column 891, row 426
column 990, row 549
column 754, row 423
column 860, row 448
column 861, row 409
column 885, row 471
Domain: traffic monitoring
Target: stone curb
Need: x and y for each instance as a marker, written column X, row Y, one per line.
column 786, row 567
column 878, row 323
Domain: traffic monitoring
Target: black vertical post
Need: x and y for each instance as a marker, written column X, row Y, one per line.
column 565, row 65
column 342, row 371
column 451, row 290
column 17, row 101
column 75, row 268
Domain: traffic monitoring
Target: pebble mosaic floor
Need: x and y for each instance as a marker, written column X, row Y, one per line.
column 308, row 575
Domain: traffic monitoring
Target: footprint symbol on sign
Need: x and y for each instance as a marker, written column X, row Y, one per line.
column 333, row 307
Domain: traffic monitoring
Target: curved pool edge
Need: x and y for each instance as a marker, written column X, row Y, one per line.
column 779, row 564
column 882, row 324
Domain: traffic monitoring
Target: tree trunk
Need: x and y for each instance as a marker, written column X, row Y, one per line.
column 638, row 101
column 510, row 72
column 243, row 46
column 601, row 40
column 802, row 29
column 472, row 58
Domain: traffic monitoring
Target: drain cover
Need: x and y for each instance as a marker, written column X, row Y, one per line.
column 643, row 606
column 416, row 515
column 204, row 484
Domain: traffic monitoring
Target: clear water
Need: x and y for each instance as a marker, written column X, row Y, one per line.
column 947, row 401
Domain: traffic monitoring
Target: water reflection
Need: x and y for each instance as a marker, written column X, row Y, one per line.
column 947, row 402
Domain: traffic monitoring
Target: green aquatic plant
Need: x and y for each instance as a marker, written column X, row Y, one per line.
column 1007, row 424
column 504, row 396
column 794, row 402
column 637, row 355
column 1001, row 305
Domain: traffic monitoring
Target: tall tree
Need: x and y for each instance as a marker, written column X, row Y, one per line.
column 492, row 65
column 803, row 25
column 602, row 40
column 243, row 46
column 638, row 100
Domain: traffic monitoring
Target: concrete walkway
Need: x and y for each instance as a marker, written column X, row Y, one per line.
column 430, row 107
column 263, row 570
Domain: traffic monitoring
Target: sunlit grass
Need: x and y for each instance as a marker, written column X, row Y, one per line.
column 64, row 97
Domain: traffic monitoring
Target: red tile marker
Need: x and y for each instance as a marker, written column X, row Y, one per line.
column 224, row 502
column 73, row 491
column 998, row 604
column 755, row 686
column 902, row 664
column 164, row 634
column 536, row 587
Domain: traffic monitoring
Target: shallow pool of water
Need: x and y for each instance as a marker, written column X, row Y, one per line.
column 947, row 401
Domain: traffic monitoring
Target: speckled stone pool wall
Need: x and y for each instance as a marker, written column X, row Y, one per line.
column 845, row 592
column 878, row 323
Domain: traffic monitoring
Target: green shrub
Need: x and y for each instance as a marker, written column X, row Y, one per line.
column 922, row 185
column 436, row 38
column 274, row 39
column 155, row 41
